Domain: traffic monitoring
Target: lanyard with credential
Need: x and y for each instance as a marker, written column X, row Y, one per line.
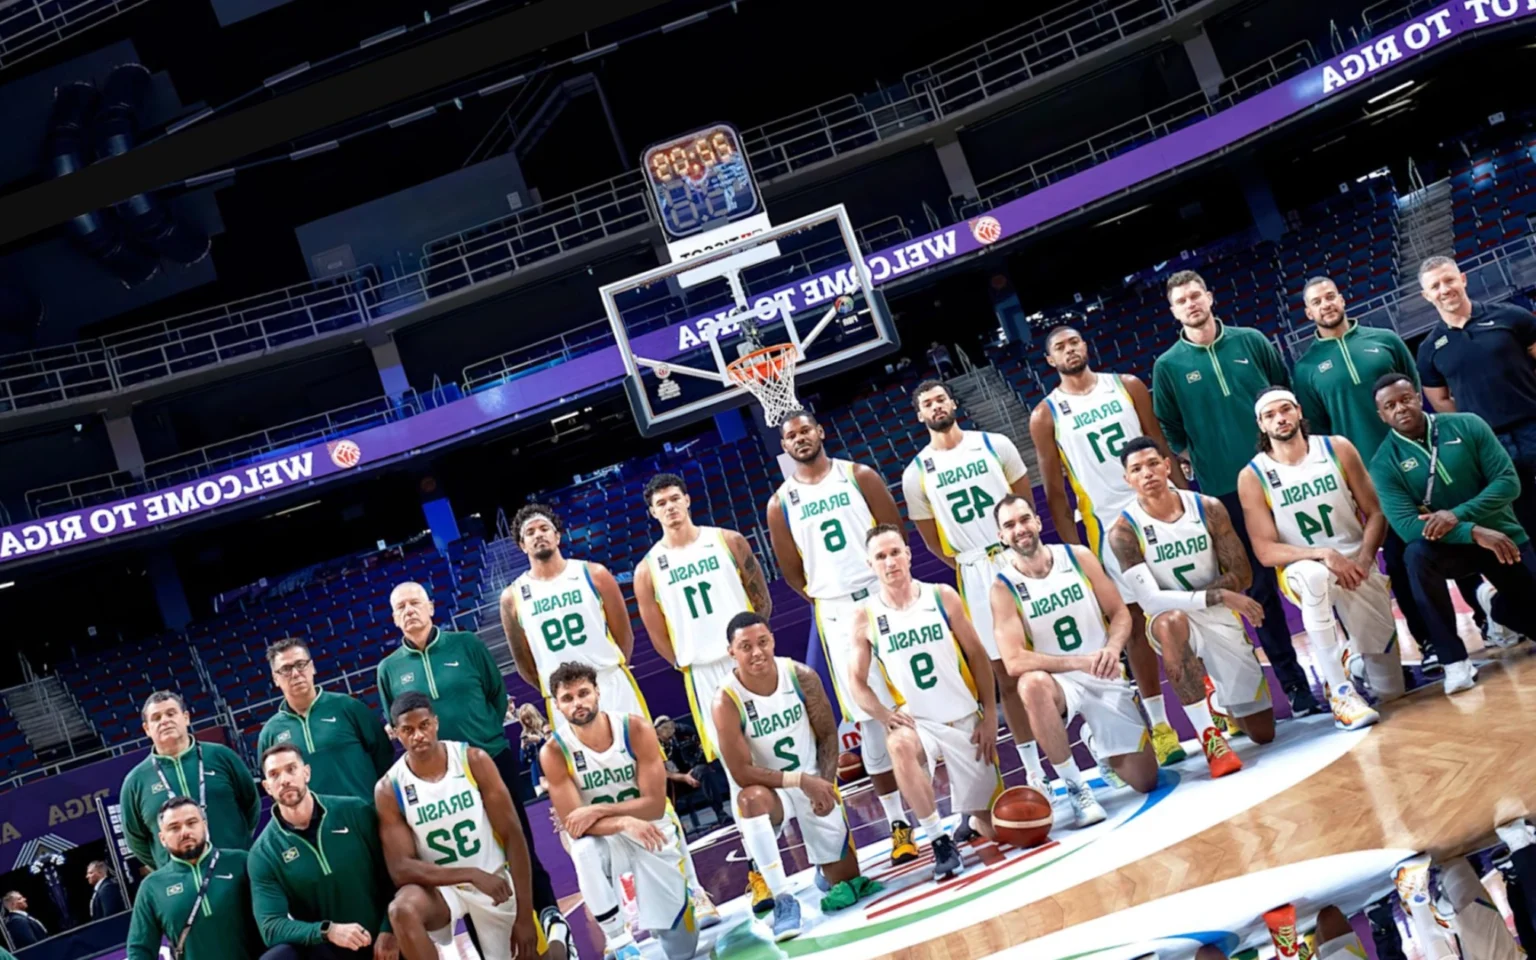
column 202, row 779
column 1434, row 462
column 197, row 906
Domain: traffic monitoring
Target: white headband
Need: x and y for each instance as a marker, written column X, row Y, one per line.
column 1269, row 397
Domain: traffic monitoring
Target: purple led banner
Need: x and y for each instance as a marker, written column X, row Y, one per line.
column 552, row 384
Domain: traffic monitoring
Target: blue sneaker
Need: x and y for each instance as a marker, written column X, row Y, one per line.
column 628, row 951
column 786, row 919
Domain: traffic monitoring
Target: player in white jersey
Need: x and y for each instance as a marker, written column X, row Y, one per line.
column 815, row 521
column 1061, row 626
column 444, row 815
column 1313, row 515
column 951, row 487
column 608, row 785
column 567, row 611
column 936, row 670
column 688, row 587
column 1185, row 565
column 778, row 739
column 1078, row 430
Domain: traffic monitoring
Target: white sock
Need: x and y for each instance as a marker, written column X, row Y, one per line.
column 1199, row 717
column 1325, row 653
column 763, row 847
column 933, row 827
column 891, row 804
column 615, row 931
column 1029, row 753
column 1156, row 711
column 1070, row 771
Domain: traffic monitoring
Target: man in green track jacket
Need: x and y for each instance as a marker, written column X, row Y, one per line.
column 1446, row 486
column 317, row 870
column 196, row 874
column 1203, row 389
column 343, row 741
column 179, row 766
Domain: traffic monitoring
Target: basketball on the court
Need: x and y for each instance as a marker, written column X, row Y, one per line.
column 850, row 767
column 1022, row 817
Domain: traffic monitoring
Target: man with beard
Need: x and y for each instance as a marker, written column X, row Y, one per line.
column 1078, row 430
column 1186, row 567
column 1447, row 487
column 180, row 766
column 1062, row 625
column 951, row 487
column 199, row 900
column 567, row 611
column 452, row 844
column 815, row 520
column 318, row 882
column 608, row 785
column 1201, row 387
column 1313, row 516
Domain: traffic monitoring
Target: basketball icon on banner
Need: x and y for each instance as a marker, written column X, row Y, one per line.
column 986, row 230
column 346, row 454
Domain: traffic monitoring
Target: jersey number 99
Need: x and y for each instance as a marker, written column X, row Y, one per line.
column 567, row 631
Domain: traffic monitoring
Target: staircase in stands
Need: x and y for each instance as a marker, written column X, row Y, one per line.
column 991, row 404
column 1426, row 230
column 51, row 719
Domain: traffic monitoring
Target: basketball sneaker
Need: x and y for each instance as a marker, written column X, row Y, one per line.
column 1497, row 635
column 903, row 850
column 1085, row 808
column 758, row 893
column 1350, row 711
column 625, row 951
column 1516, row 834
column 1218, row 754
column 786, row 917
column 1459, row 676
column 705, row 913
column 1165, row 742
column 1411, row 877
column 946, row 858
column 1281, row 922
column 556, row 930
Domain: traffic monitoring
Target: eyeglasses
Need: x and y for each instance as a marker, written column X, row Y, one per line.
column 293, row 669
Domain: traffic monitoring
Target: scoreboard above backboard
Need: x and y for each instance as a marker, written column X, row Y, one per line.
column 700, row 181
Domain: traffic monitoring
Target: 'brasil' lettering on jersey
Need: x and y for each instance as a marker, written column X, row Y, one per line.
column 699, row 590
column 1091, row 430
column 564, row 621
column 828, row 521
column 920, row 657
column 602, row 776
column 1310, row 500
column 778, row 731
column 1181, row 554
column 1060, row 611
column 447, row 807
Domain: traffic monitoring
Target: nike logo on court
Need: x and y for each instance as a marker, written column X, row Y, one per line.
column 327, row 719
column 453, row 664
column 342, row 830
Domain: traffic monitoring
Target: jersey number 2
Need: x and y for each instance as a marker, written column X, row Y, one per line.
column 465, row 845
column 783, row 749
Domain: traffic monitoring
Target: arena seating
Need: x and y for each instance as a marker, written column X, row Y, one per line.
column 1493, row 195
column 112, row 686
column 15, row 753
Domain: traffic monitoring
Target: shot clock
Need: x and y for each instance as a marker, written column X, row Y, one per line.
column 700, row 181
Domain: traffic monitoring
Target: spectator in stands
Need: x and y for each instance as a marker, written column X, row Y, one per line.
column 1477, row 358
column 180, row 766
column 687, row 769
column 1202, row 388
column 347, row 739
column 535, row 732
column 469, row 695
column 106, row 894
column 24, row 928
column 1446, row 486
column 199, row 899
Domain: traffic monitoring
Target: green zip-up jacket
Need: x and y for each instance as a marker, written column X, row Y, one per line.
column 224, row 928
column 461, row 677
column 296, row 886
column 342, row 741
column 233, row 804
column 1333, row 381
column 1475, row 479
column 1203, row 397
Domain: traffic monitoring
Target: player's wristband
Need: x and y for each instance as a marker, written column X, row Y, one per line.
column 791, row 780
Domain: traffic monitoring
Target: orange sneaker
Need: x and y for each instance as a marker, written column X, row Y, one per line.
column 1220, row 756
column 1281, row 922
column 1224, row 724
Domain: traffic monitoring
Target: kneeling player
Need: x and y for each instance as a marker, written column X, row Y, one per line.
column 936, row 670
column 1180, row 555
column 608, row 785
column 779, row 742
column 1313, row 515
column 1050, row 604
column 444, row 815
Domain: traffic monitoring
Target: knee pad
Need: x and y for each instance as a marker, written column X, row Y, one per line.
column 677, row 944
column 1312, row 583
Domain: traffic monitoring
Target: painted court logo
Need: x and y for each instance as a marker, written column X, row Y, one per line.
column 986, row 230
column 345, row 454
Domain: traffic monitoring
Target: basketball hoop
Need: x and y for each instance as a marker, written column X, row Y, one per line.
column 769, row 375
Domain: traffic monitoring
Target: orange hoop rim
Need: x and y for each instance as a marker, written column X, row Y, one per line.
column 775, row 358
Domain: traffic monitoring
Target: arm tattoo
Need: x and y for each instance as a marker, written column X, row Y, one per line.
column 1122, row 540
column 756, row 584
column 1236, row 574
column 818, row 709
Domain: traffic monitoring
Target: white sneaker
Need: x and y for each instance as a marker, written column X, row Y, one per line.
column 1350, row 711
column 1497, row 635
column 1459, row 676
column 1085, row 808
column 1516, row 834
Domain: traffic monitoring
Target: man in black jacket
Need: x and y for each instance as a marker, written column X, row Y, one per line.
column 25, row 930
column 106, row 894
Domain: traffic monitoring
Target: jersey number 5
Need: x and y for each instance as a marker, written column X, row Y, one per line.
column 465, row 845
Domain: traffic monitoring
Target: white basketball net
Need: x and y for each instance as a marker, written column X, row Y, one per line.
column 769, row 374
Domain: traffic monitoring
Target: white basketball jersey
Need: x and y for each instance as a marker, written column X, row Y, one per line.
column 1181, row 554
column 448, row 815
column 778, row 732
column 1311, row 501
column 608, row 776
column 960, row 487
column 828, row 522
column 920, row 657
column 1091, row 429
column 564, row 621
column 699, row 590
column 1060, row 611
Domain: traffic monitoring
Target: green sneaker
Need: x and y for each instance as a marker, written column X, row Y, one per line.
column 849, row 892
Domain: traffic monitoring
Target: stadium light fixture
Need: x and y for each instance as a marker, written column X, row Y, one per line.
column 1397, row 89
column 7, row 584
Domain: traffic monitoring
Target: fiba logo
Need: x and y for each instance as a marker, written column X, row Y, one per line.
column 346, row 454
column 986, row 230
